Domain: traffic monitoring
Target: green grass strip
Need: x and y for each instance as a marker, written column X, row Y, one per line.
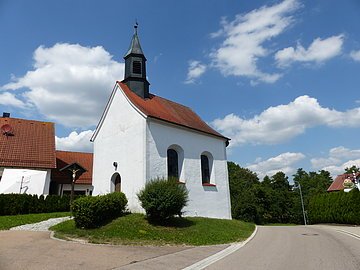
column 6, row 222
column 134, row 229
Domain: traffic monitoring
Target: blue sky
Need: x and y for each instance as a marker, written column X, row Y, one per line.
column 281, row 78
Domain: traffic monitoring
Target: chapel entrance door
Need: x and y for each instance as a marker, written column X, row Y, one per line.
column 118, row 183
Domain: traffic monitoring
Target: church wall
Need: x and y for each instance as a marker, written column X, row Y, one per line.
column 206, row 201
column 121, row 139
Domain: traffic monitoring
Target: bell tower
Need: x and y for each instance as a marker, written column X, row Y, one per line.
column 135, row 68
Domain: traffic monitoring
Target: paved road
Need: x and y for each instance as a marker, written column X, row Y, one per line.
column 298, row 247
column 28, row 250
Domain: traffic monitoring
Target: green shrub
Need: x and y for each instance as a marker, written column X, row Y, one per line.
column 92, row 212
column 162, row 199
column 15, row 204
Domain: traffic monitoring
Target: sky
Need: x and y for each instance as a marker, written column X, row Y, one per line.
column 280, row 78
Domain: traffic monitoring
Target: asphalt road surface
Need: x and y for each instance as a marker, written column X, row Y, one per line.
column 297, row 247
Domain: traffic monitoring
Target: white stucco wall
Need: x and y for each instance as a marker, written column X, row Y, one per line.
column 35, row 181
column 206, row 201
column 121, row 139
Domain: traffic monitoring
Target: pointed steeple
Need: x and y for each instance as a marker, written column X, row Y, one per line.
column 135, row 47
column 135, row 67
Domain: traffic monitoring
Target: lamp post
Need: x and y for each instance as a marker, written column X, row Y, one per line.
column 302, row 202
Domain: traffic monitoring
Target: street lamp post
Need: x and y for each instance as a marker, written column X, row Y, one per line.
column 302, row 203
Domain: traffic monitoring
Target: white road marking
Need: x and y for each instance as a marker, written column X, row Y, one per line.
column 220, row 255
column 353, row 235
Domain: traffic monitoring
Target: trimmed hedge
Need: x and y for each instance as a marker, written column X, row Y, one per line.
column 162, row 198
column 335, row 207
column 15, row 204
column 92, row 212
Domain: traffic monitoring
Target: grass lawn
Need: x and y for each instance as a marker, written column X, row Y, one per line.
column 135, row 229
column 6, row 222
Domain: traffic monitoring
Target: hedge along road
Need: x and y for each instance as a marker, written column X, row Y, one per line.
column 298, row 248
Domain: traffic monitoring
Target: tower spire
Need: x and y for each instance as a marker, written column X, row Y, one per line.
column 135, row 67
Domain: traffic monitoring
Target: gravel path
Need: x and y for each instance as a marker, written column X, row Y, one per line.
column 42, row 226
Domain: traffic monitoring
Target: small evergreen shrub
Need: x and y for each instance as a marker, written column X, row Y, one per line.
column 162, row 199
column 92, row 212
column 16, row 204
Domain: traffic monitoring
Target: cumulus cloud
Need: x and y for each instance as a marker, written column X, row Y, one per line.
column 75, row 142
column 319, row 51
column 245, row 37
column 337, row 160
column 9, row 99
column 69, row 83
column 283, row 162
column 355, row 55
column 284, row 122
column 195, row 70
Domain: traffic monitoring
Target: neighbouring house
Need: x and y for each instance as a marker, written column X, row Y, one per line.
column 30, row 164
column 142, row 136
column 61, row 179
column 338, row 183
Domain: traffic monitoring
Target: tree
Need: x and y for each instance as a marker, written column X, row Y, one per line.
column 241, row 181
column 352, row 169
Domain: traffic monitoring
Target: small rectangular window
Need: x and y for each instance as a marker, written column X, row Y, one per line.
column 137, row 67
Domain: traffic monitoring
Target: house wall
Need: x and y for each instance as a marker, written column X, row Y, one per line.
column 121, row 139
column 78, row 187
column 34, row 181
column 206, row 201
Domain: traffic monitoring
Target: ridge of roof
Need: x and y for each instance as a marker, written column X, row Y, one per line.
column 169, row 111
column 78, row 152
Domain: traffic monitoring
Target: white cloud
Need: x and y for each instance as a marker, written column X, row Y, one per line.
column 245, row 37
column 337, row 160
column 9, row 99
column 75, row 142
column 69, row 83
column 355, row 55
column 284, row 122
column 195, row 70
column 283, row 162
column 319, row 51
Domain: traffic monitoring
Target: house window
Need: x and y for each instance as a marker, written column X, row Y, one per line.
column 205, row 169
column 173, row 164
column 137, row 67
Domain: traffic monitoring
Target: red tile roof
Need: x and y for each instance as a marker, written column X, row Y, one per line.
column 30, row 144
column 169, row 111
column 337, row 185
column 64, row 158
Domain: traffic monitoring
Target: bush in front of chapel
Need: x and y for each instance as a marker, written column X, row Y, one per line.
column 92, row 212
column 163, row 198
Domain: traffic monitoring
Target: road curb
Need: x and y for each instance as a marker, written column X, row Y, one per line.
column 221, row 254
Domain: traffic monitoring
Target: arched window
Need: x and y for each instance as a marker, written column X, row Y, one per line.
column 173, row 164
column 205, row 169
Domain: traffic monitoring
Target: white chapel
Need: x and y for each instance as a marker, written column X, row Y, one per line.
column 142, row 136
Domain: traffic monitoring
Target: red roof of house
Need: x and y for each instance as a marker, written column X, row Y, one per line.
column 169, row 111
column 64, row 158
column 338, row 183
column 27, row 143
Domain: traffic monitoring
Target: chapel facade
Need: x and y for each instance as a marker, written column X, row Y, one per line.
column 141, row 137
